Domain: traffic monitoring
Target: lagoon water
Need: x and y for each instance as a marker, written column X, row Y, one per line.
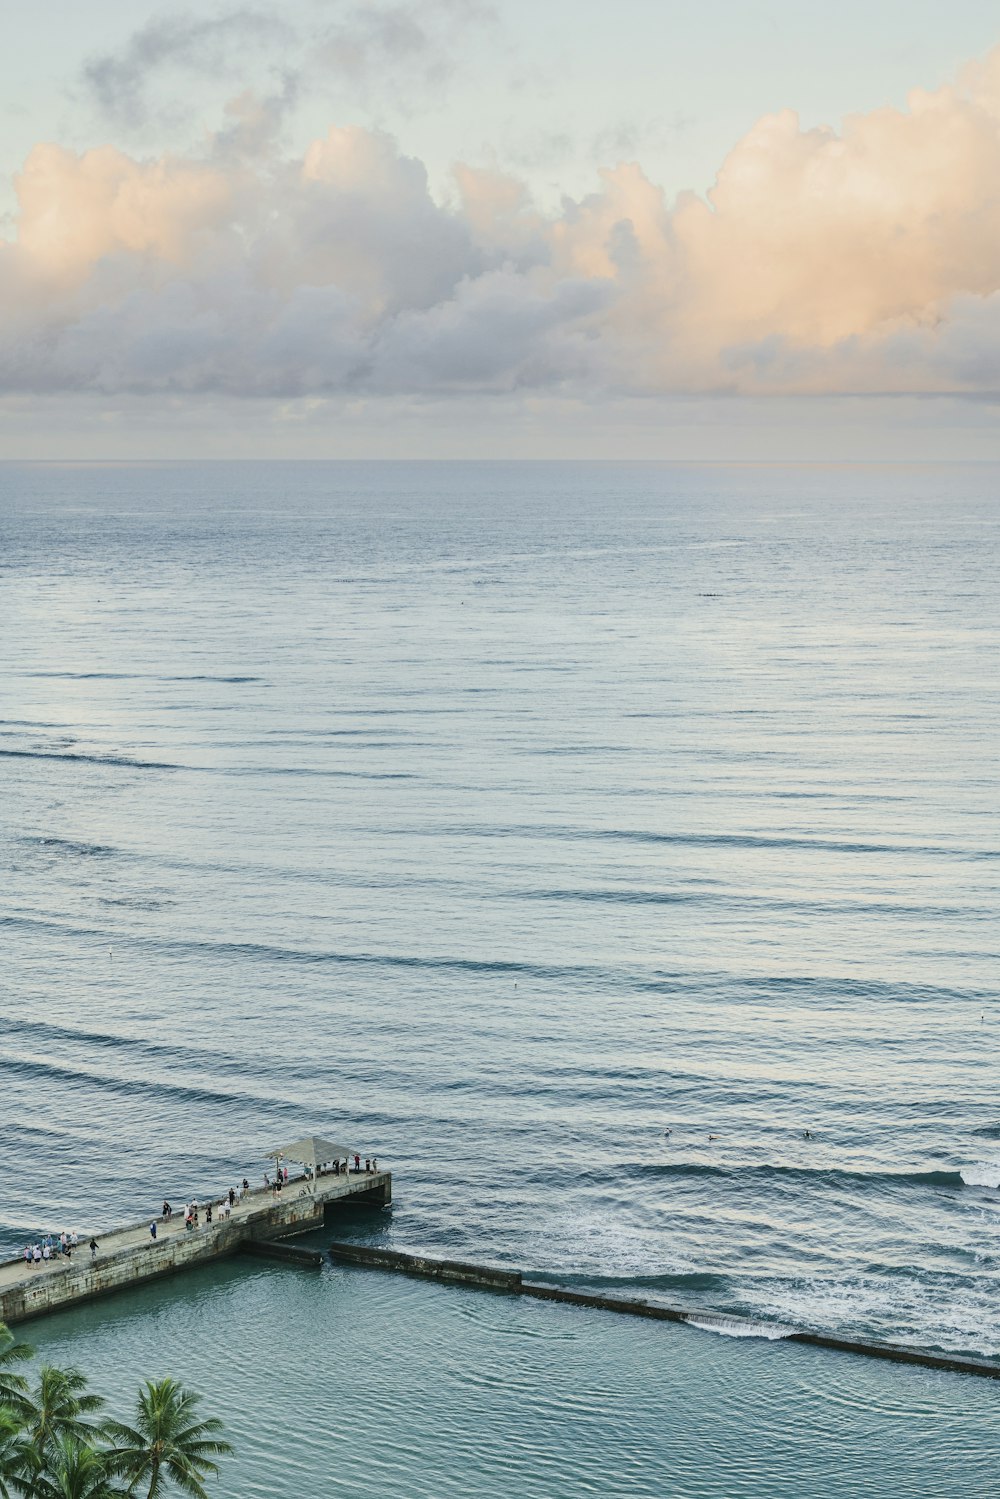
column 368, row 1386
column 502, row 818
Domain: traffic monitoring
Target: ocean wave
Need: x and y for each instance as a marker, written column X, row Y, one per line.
column 267, row 952
column 131, row 1086
column 696, row 839
column 135, row 676
column 829, row 1176
column 666, row 1280
column 324, row 771
column 987, row 1132
column 741, row 898
column 128, row 761
column 71, row 847
column 131, row 763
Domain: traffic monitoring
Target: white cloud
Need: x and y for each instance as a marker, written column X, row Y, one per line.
column 864, row 260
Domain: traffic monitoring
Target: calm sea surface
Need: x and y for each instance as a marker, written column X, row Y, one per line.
column 500, row 819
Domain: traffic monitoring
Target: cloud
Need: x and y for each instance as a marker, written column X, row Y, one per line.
column 335, row 272
column 399, row 37
column 363, row 47
column 119, row 83
column 864, row 260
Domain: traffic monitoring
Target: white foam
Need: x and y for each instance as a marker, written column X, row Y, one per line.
column 739, row 1327
column 982, row 1174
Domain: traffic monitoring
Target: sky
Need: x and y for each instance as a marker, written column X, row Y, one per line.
column 433, row 228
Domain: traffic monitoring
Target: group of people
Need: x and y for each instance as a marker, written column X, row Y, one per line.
column 280, row 1180
column 51, row 1248
column 370, row 1166
column 193, row 1210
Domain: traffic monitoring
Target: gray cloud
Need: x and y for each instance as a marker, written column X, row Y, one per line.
column 119, row 83
column 382, row 46
column 364, row 46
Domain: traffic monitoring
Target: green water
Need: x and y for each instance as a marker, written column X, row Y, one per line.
column 359, row 1383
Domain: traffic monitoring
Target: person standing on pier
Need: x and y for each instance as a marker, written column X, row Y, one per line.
column 152, row 1230
column 168, row 1211
column 93, row 1249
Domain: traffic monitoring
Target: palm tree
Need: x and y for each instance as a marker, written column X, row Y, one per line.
column 74, row 1469
column 167, row 1442
column 12, row 1384
column 57, row 1407
column 13, row 1453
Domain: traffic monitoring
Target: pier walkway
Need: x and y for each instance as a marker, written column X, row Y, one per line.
column 127, row 1256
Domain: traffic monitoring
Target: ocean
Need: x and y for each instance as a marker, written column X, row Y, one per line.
column 574, row 837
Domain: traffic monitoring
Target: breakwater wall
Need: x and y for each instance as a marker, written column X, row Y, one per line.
column 286, row 1254
column 513, row 1283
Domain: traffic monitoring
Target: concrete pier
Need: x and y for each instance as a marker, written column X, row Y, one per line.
column 128, row 1256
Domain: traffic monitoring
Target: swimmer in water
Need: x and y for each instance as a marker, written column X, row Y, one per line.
column 715, row 1137
column 806, row 1135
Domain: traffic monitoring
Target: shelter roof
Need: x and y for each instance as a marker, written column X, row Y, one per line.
column 313, row 1148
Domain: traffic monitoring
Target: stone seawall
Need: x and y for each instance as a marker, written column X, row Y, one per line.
column 415, row 1264
column 83, row 1280
column 285, row 1254
column 129, row 1257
